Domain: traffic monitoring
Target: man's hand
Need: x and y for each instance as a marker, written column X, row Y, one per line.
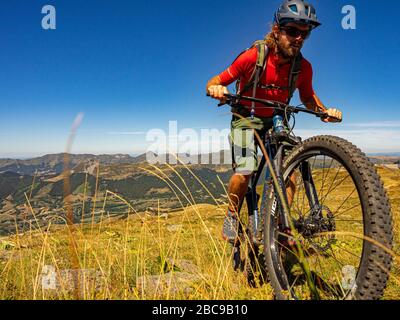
column 315, row 104
column 334, row 115
column 217, row 92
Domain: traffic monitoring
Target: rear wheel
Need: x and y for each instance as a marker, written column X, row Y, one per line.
column 340, row 216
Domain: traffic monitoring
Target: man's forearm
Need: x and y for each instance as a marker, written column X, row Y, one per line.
column 216, row 81
column 315, row 104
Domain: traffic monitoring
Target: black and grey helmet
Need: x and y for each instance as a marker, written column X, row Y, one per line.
column 297, row 11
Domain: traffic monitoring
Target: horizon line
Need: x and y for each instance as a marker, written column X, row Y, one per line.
column 133, row 155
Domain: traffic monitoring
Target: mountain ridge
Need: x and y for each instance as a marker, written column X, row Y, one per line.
column 51, row 164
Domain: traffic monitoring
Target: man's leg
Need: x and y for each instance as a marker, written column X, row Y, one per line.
column 291, row 189
column 237, row 189
column 246, row 163
column 244, row 158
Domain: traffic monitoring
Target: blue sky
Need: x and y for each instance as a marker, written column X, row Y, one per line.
column 131, row 66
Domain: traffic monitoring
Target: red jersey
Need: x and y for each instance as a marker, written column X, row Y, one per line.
column 243, row 68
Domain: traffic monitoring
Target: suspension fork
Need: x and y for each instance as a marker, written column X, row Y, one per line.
column 309, row 187
column 252, row 201
column 277, row 166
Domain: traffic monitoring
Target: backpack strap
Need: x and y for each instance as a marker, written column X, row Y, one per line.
column 262, row 53
column 294, row 73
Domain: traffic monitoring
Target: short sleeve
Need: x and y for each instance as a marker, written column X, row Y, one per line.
column 243, row 63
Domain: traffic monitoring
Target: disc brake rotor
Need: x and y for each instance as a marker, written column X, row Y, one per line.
column 312, row 227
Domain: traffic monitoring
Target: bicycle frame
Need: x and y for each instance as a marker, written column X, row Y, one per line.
column 275, row 152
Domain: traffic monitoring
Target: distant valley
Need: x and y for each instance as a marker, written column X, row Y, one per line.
column 32, row 191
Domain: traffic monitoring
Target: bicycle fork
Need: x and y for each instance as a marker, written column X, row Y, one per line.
column 252, row 199
column 252, row 202
column 310, row 190
column 309, row 186
column 282, row 204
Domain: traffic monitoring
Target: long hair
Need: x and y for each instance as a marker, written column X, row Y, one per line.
column 270, row 39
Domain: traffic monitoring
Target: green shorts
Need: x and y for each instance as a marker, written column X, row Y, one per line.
column 243, row 142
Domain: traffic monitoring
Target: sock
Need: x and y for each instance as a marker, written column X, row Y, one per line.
column 231, row 214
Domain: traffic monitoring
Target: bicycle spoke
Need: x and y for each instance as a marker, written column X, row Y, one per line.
column 349, row 209
column 323, row 177
column 304, row 194
column 334, row 258
column 317, row 278
column 349, row 220
column 292, row 285
column 347, row 198
column 341, row 264
column 351, row 253
column 328, row 285
column 333, row 180
column 298, row 194
column 332, row 189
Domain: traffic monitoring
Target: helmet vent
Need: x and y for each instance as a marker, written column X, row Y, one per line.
column 293, row 8
column 307, row 10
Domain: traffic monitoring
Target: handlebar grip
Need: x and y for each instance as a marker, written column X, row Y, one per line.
column 325, row 116
column 220, row 104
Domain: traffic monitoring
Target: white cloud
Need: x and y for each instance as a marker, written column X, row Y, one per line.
column 375, row 124
column 132, row 133
column 369, row 138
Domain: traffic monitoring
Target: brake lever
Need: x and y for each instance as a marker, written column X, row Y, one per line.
column 337, row 119
column 326, row 116
column 220, row 104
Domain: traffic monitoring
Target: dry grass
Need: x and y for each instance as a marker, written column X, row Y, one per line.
column 123, row 251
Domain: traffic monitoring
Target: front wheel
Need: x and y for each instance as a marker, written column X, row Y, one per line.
column 340, row 225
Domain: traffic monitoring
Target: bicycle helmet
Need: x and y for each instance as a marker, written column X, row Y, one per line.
column 297, row 11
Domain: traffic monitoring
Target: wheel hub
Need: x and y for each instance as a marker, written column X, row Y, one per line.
column 320, row 220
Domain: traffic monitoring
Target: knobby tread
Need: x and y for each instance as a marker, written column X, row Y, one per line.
column 375, row 265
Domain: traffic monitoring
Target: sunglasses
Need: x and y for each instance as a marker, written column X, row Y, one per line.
column 295, row 33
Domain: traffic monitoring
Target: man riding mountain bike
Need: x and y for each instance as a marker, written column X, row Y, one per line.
column 272, row 69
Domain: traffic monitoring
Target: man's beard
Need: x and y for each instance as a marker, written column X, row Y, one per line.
column 288, row 51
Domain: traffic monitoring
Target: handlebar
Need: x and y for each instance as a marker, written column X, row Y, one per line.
column 234, row 100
